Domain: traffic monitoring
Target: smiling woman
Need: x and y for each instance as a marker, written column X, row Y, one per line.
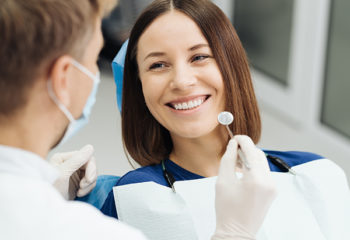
column 177, row 78
column 184, row 65
column 181, row 54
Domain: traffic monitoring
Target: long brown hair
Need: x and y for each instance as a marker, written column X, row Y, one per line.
column 145, row 139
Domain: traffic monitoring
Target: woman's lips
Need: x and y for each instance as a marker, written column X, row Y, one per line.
column 188, row 103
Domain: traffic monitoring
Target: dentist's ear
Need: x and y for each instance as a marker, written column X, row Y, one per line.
column 60, row 71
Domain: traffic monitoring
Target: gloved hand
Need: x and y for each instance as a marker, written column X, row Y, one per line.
column 242, row 203
column 78, row 173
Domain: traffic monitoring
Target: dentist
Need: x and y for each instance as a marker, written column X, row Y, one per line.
column 48, row 83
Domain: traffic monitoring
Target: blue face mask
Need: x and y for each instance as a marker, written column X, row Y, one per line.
column 76, row 124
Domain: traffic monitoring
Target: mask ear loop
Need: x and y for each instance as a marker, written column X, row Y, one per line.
column 58, row 103
column 84, row 70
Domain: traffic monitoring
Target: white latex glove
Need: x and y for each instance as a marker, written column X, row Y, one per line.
column 242, row 204
column 78, row 172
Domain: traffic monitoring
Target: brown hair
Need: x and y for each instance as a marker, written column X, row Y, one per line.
column 34, row 33
column 145, row 139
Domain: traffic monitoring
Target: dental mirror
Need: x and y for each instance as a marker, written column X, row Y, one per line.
column 226, row 118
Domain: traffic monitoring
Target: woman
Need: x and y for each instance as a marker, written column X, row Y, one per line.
column 184, row 65
column 208, row 67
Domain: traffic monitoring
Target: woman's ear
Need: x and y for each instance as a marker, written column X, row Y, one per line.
column 59, row 78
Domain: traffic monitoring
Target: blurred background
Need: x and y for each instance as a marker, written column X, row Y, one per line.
column 298, row 52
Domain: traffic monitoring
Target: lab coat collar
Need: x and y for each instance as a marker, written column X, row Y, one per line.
column 24, row 163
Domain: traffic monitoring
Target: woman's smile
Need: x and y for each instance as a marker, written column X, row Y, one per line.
column 188, row 103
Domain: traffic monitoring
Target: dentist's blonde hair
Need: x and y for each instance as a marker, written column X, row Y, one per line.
column 33, row 34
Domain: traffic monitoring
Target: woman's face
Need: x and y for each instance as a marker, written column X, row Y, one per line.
column 181, row 82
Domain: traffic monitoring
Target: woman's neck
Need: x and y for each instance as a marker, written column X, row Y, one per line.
column 200, row 155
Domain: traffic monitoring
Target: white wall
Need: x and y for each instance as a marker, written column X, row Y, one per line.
column 291, row 116
column 226, row 6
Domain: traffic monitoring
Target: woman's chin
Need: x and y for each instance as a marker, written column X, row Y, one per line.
column 193, row 132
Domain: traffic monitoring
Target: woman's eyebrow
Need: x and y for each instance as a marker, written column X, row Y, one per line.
column 160, row 54
column 154, row 54
column 197, row 46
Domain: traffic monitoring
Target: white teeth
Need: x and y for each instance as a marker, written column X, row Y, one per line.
column 188, row 105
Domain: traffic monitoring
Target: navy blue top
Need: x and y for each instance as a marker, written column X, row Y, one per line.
column 154, row 173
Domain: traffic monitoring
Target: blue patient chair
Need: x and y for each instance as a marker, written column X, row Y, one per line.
column 97, row 197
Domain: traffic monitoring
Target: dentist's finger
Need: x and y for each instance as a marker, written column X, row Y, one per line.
column 88, row 182
column 253, row 155
column 79, row 159
column 91, row 170
column 59, row 158
column 228, row 162
column 85, row 191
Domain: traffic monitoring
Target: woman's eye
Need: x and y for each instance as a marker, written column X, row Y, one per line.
column 199, row 58
column 157, row 66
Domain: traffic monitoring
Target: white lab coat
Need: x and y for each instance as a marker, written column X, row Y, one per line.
column 31, row 208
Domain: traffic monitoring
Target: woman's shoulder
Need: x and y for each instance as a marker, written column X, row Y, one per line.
column 295, row 158
column 306, row 160
column 152, row 173
column 315, row 166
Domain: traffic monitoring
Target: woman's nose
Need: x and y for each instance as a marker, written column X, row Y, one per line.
column 183, row 78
